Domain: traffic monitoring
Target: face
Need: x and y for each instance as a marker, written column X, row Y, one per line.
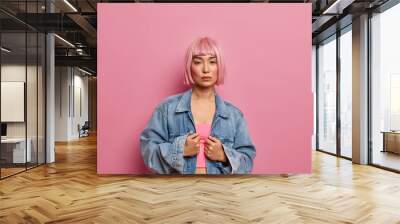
column 204, row 69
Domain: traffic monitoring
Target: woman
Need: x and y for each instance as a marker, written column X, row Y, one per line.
column 196, row 131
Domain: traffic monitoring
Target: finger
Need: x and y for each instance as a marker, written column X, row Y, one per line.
column 214, row 139
column 209, row 142
column 208, row 154
column 211, row 138
column 194, row 135
column 212, row 144
column 206, row 151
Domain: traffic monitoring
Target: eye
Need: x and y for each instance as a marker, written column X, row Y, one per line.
column 196, row 62
column 213, row 62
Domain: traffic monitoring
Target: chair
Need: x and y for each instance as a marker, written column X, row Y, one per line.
column 84, row 130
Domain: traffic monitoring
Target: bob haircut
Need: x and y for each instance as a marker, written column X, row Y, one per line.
column 204, row 46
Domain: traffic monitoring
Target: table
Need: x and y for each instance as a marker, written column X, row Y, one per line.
column 391, row 141
column 13, row 150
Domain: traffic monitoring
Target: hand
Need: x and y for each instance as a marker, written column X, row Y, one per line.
column 213, row 150
column 192, row 145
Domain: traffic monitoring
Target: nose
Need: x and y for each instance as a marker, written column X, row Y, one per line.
column 206, row 68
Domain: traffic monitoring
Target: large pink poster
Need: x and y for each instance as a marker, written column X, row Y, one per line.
column 267, row 52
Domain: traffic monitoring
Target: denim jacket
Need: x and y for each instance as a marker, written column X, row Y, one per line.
column 163, row 139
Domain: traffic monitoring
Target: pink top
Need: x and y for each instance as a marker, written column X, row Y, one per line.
column 204, row 131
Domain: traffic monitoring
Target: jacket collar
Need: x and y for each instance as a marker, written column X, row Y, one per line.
column 185, row 100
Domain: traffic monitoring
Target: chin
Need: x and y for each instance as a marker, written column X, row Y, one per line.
column 206, row 85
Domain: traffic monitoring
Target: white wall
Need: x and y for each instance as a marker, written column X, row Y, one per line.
column 12, row 73
column 61, row 103
column 15, row 72
column 79, row 117
column 71, row 93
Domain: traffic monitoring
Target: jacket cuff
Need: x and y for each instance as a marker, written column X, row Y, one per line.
column 174, row 155
column 233, row 163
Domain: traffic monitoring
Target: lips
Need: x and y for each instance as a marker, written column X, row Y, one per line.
column 205, row 78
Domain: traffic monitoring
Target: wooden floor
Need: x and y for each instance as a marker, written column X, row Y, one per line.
column 5, row 172
column 70, row 191
column 387, row 159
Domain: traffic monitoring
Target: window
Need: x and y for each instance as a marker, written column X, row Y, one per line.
column 385, row 88
column 327, row 95
column 346, row 75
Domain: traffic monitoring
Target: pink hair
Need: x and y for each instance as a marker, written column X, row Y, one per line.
column 204, row 46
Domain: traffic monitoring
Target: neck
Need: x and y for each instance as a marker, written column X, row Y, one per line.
column 203, row 93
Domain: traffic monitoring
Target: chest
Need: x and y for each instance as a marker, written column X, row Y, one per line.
column 203, row 112
column 181, row 123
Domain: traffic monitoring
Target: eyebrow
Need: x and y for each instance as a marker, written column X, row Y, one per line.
column 197, row 57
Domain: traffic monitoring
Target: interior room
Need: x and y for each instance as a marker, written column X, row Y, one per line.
column 60, row 153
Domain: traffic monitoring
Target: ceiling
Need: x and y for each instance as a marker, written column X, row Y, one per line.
column 76, row 22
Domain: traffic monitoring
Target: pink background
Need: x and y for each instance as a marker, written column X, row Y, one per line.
column 267, row 50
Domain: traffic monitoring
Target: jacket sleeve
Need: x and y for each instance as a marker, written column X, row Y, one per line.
column 160, row 155
column 241, row 154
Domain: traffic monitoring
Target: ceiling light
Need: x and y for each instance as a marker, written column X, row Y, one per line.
column 86, row 72
column 65, row 41
column 70, row 5
column 338, row 6
column 5, row 50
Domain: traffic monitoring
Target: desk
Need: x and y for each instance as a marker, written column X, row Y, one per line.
column 15, row 148
column 391, row 141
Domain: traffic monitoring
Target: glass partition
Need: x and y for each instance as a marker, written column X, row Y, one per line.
column 22, row 78
column 327, row 95
column 13, row 109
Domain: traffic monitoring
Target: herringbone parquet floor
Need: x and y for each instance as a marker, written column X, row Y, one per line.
column 70, row 191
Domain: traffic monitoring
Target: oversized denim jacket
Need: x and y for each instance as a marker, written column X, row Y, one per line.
column 163, row 139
